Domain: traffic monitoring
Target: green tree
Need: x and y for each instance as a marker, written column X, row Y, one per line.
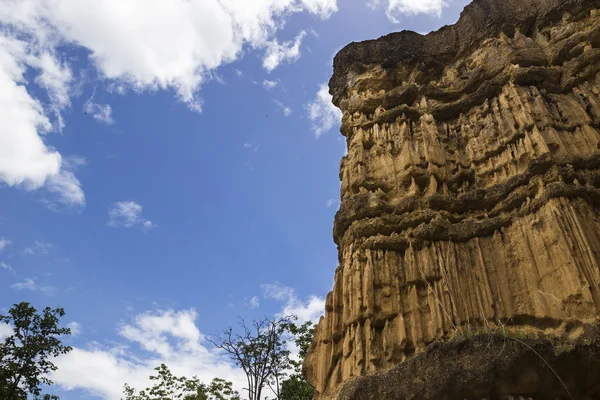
column 170, row 387
column 25, row 356
column 295, row 387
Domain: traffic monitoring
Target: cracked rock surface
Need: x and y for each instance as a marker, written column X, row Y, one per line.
column 470, row 194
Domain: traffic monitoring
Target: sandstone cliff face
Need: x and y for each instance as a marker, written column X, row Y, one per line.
column 471, row 190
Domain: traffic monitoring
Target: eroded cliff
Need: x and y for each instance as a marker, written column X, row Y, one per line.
column 470, row 193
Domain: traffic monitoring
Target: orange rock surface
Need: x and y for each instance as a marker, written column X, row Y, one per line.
column 471, row 189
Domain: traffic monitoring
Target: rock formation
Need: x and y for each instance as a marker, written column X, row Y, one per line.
column 470, row 195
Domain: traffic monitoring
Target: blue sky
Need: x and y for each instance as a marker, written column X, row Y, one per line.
column 168, row 165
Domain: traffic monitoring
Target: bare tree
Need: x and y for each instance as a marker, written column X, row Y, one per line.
column 260, row 351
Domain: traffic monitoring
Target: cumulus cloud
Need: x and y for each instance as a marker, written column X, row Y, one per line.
column 162, row 336
column 127, row 214
column 305, row 310
column 285, row 52
column 188, row 39
column 24, row 157
column 323, row 8
column 322, row 112
column 25, row 160
column 186, row 42
column 413, row 7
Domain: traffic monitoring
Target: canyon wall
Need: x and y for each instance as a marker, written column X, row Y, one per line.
column 470, row 194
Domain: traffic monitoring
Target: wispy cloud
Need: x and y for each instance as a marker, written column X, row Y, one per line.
column 127, row 214
column 75, row 328
column 7, row 267
column 101, row 112
column 31, row 284
column 285, row 109
column 251, row 146
column 267, row 84
column 285, row 52
column 332, row 202
column 64, row 187
column 254, row 302
column 4, row 243
column 322, row 112
column 38, row 247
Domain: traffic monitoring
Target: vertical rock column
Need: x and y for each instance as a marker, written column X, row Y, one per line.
column 471, row 189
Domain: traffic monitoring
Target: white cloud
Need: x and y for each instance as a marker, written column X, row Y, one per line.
column 164, row 336
column 332, row 202
column 101, row 112
column 5, row 331
column 309, row 310
column 127, row 214
column 188, row 39
column 25, row 160
column 38, row 247
column 323, row 8
column 27, row 284
column 64, row 186
column 31, row 284
column 267, row 84
column 286, row 52
column 24, row 157
column 147, row 225
column 322, row 112
column 140, row 46
column 7, row 267
column 75, row 328
column 414, row 7
column 285, row 109
column 305, row 310
column 4, row 243
column 373, row 4
column 238, row 73
column 251, row 146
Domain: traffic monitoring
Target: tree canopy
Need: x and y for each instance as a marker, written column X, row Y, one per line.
column 170, row 387
column 26, row 355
